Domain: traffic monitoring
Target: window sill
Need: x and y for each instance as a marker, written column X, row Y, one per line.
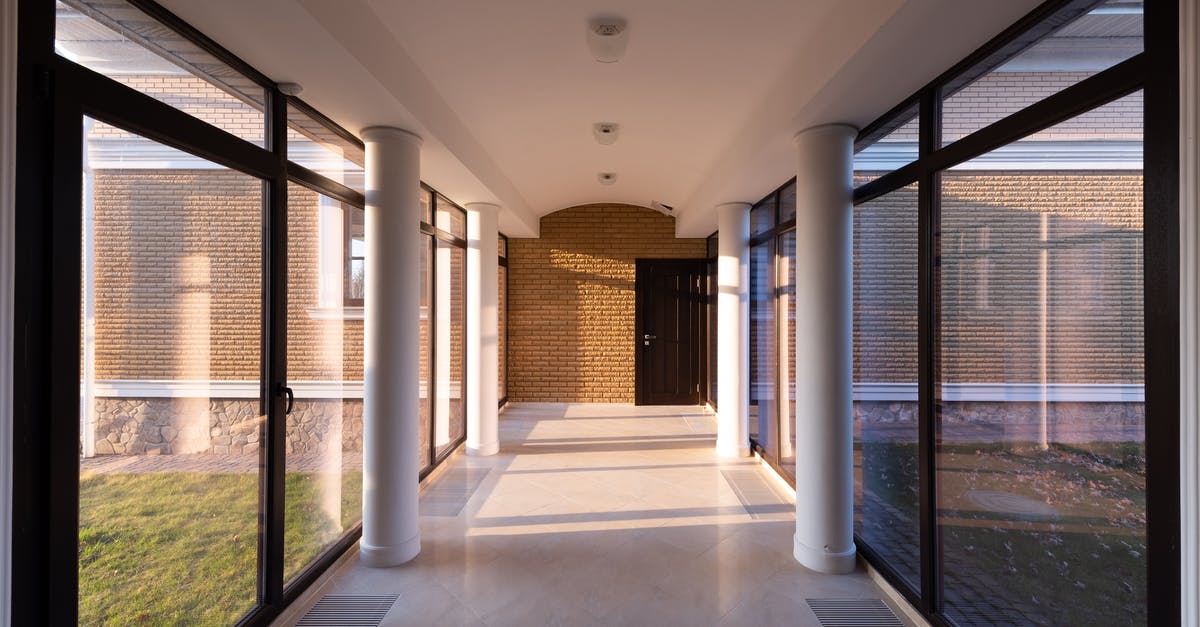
column 335, row 313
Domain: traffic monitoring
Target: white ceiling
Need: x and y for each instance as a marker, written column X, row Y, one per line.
column 505, row 93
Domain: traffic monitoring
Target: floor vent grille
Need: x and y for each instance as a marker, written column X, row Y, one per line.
column 755, row 494
column 853, row 613
column 348, row 610
column 449, row 493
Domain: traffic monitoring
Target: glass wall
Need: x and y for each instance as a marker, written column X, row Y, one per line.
column 886, row 478
column 502, row 315
column 1000, row 332
column 170, row 424
column 1041, row 466
column 443, row 328
column 711, row 305
column 323, row 481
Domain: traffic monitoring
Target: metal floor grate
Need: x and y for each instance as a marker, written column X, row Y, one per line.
column 853, row 613
column 757, row 496
column 348, row 610
column 450, row 492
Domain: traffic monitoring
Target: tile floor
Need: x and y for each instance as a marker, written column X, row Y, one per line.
column 602, row 515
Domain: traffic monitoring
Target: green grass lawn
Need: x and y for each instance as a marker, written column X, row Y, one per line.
column 1086, row 566
column 181, row 548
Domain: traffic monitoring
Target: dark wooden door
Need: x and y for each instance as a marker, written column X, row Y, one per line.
column 668, row 334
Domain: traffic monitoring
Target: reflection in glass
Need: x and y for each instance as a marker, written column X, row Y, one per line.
column 763, row 417
column 170, row 430
column 323, row 453
column 315, row 146
column 449, row 414
column 1041, row 465
column 426, row 409
column 787, row 350
column 886, row 478
column 895, row 149
column 1096, row 40
column 502, row 331
column 115, row 39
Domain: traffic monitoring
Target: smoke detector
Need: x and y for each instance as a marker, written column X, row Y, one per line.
column 662, row 207
column 607, row 178
column 607, row 38
column 290, row 89
column 605, row 133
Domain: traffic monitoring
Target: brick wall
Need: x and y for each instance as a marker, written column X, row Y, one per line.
column 571, row 301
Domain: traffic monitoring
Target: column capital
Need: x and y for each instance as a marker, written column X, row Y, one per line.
column 378, row 133
column 733, row 206
column 838, row 128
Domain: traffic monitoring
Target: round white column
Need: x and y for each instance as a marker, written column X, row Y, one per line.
column 824, row 539
column 391, row 312
column 483, row 330
column 733, row 329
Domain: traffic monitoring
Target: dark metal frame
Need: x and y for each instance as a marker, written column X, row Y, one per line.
column 53, row 97
column 438, row 235
column 503, row 262
column 710, row 310
column 1155, row 71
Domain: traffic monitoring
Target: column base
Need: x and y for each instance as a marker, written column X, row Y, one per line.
column 733, row 449
column 388, row 556
column 483, row 450
column 824, row 561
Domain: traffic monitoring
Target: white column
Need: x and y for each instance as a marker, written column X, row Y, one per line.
column 390, row 531
column 483, row 330
column 824, row 539
column 733, row 329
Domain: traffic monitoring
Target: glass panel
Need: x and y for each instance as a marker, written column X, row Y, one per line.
column 116, row 40
column 895, row 149
column 762, row 215
column 502, row 245
column 763, row 417
column 449, row 420
column 356, row 253
column 1041, row 466
column 425, row 431
column 1092, row 42
column 886, row 478
column 316, row 147
column 170, row 425
column 502, row 331
column 323, row 485
column 450, row 218
column 787, row 352
column 787, row 203
column 426, row 206
column 710, row 246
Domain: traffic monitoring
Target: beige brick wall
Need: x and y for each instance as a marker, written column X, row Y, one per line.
column 571, row 301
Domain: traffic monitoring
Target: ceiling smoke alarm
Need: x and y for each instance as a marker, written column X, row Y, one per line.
column 605, row 133
column 607, row 178
column 290, row 89
column 607, row 38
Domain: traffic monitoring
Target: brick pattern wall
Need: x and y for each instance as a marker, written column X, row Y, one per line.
column 178, row 273
column 571, row 301
column 991, row 277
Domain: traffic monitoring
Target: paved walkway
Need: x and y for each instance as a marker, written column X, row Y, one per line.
column 210, row 463
column 602, row 515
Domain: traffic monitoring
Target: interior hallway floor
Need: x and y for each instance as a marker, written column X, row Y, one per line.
column 601, row 515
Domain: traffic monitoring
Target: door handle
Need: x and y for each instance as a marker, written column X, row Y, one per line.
column 649, row 337
column 291, row 398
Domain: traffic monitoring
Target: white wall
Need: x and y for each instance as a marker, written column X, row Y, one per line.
column 8, row 102
column 1189, row 302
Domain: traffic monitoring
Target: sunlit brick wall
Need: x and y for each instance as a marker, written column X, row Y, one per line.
column 571, row 301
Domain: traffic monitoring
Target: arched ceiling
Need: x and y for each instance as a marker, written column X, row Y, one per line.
column 505, row 93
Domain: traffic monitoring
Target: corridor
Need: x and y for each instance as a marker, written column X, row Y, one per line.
column 600, row 515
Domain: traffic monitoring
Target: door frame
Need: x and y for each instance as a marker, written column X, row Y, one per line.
column 699, row 333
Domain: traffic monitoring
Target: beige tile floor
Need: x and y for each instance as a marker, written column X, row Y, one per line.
column 602, row 515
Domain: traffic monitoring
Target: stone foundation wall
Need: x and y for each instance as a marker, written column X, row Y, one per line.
column 165, row 426
column 990, row 421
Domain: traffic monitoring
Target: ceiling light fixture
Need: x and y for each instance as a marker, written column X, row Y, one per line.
column 607, row 178
column 607, row 38
column 605, row 133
